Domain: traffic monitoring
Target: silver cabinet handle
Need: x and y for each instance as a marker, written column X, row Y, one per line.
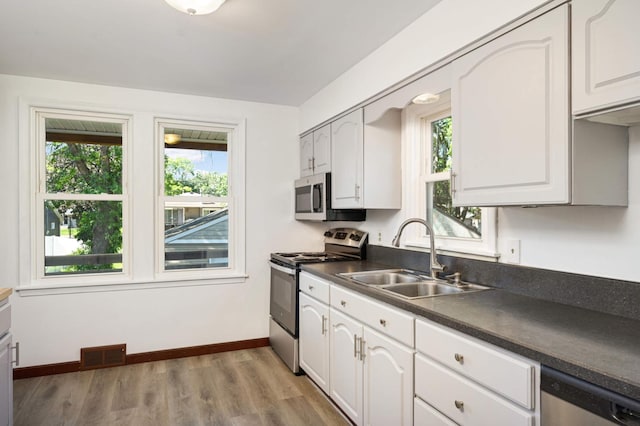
column 459, row 358
column 383, row 322
column 453, row 185
column 362, row 348
column 459, row 405
column 313, row 163
column 309, row 164
column 357, row 192
column 343, row 303
column 310, row 288
column 324, row 328
column 16, row 361
column 355, row 345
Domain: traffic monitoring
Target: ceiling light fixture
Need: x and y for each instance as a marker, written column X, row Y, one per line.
column 426, row 98
column 172, row 138
column 196, row 7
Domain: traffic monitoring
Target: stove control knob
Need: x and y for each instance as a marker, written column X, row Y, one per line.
column 355, row 237
column 328, row 234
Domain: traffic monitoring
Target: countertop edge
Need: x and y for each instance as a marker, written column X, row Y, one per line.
column 5, row 293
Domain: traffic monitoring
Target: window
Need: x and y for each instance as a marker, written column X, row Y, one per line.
column 428, row 130
column 194, row 196
column 80, row 201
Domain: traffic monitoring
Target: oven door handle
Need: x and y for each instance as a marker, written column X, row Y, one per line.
column 283, row 269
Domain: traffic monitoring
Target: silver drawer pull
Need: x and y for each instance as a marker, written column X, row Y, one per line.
column 311, row 288
column 383, row 322
column 459, row 405
column 459, row 358
column 343, row 303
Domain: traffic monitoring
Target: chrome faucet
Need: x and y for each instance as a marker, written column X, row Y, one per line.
column 435, row 265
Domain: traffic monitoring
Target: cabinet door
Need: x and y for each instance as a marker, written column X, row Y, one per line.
column 606, row 58
column 346, row 161
column 314, row 340
column 388, row 381
column 510, row 105
column 322, row 150
column 306, row 155
column 345, row 365
column 6, row 382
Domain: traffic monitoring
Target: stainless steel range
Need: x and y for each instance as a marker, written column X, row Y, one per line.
column 340, row 244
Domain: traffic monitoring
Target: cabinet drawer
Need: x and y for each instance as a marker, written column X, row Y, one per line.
column 503, row 372
column 5, row 318
column 426, row 415
column 464, row 401
column 314, row 287
column 378, row 316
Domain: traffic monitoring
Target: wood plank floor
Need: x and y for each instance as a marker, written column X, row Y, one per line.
column 248, row 387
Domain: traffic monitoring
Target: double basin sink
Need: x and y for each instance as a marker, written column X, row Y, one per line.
column 409, row 284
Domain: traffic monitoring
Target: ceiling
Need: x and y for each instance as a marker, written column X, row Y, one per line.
column 275, row 51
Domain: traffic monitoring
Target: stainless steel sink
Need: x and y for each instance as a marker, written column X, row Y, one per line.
column 409, row 284
column 383, row 277
column 423, row 289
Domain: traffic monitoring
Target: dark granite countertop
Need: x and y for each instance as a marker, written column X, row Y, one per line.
column 600, row 348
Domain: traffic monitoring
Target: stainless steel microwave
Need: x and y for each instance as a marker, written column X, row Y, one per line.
column 313, row 201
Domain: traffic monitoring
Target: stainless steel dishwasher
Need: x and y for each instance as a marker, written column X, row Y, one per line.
column 569, row 401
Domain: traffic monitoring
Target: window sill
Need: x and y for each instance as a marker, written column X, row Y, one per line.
column 467, row 253
column 39, row 289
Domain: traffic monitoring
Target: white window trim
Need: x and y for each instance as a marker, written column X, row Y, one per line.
column 138, row 278
column 417, row 147
column 37, row 194
column 235, row 199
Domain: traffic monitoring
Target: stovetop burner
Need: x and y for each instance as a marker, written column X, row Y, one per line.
column 340, row 244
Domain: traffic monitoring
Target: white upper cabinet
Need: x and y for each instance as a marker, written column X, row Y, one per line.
column 315, row 152
column 365, row 159
column 347, row 145
column 510, row 105
column 606, row 55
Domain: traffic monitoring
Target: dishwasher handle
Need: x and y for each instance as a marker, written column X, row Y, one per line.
column 602, row 402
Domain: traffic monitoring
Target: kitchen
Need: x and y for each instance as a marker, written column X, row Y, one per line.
column 598, row 241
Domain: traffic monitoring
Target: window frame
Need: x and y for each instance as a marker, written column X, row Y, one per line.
column 417, row 121
column 38, row 194
column 235, row 200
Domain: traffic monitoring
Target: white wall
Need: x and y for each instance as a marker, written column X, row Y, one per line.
column 53, row 328
column 447, row 27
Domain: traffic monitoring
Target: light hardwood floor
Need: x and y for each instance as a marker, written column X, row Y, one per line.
column 248, row 387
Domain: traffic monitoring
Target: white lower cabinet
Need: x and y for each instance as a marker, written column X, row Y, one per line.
column 314, row 340
column 371, row 374
column 471, row 382
column 6, row 366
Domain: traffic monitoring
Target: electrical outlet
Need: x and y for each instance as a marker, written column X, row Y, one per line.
column 513, row 251
column 379, row 236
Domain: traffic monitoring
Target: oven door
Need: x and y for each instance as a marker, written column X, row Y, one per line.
column 284, row 297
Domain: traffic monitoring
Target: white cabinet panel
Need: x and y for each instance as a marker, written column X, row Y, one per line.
column 347, row 161
column 315, row 152
column 464, row 401
column 6, row 381
column 490, row 366
column 606, row 58
column 322, row 150
column 510, row 105
column 345, row 365
column 388, row 381
column 314, row 340
column 314, row 287
column 426, row 415
column 306, row 155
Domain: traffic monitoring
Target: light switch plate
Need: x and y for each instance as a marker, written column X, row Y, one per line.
column 512, row 254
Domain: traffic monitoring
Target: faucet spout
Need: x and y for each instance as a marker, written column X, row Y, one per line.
column 435, row 266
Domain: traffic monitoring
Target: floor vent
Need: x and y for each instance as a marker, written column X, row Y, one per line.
column 103, row 356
